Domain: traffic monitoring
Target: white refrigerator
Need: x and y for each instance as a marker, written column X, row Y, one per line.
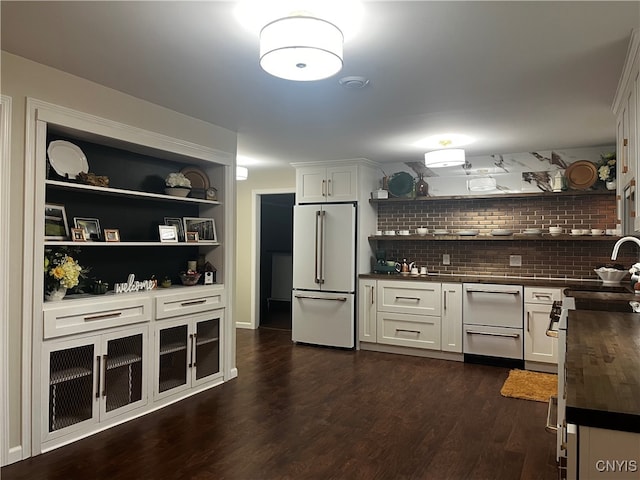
column 324, row 274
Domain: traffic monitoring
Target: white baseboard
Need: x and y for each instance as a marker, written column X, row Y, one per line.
column 15, row 455
column 245, row 325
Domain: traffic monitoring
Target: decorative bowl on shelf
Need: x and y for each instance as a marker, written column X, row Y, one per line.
column 610, row 276
column 190, row 279
column 177, row 191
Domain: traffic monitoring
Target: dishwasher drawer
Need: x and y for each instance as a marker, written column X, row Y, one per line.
column 493, row 305
column 493, row 341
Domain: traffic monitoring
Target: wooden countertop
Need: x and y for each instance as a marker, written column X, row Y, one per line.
column 603, row 369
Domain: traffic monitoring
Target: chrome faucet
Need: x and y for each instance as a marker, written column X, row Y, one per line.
column 616, row 247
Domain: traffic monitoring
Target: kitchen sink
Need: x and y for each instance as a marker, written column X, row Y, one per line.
column 609, row 299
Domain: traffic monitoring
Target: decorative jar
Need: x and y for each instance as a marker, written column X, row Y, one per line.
column 55, row 295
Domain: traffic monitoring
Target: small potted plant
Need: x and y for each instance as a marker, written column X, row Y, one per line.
column 607, row 170
column 61, row 271
column 177, row 185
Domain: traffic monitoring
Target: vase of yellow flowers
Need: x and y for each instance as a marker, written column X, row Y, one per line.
column 61, row 272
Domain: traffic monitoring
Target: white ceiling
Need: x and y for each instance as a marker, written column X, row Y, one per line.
column 516, row 75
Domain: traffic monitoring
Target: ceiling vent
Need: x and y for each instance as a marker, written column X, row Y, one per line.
column 353, row 82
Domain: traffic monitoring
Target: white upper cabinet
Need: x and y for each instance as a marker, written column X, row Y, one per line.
column 626, row 107
column 319, row 184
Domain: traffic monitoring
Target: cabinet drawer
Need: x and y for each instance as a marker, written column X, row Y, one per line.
column 419, row 331
column 88, row 316
column 542, row 295
column 493, row 341
column 190, row 301
column 415, row 298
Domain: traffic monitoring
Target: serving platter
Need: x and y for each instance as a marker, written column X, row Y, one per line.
column 581, row 175
column 67, row 159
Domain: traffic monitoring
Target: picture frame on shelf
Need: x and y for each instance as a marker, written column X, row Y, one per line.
column 78, row 235
column 176, row 222
column 206, row 228
column 91, row 227
column 55, row 222
column 168, row 233
column 111, row 235
column 192, row 237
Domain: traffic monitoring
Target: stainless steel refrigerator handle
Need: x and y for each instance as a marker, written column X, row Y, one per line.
column 510, row 335
column 505, row 292
column 322, row 217
column 313, row 297
column 317, row 278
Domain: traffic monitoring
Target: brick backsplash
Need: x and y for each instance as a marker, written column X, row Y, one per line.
column 540, row 258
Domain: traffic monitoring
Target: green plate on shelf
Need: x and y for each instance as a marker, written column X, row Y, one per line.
column 400, row 184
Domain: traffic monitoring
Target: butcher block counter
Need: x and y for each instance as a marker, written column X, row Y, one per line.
column 603, row 369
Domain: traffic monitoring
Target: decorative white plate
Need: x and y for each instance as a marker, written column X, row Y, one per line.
column 67, row 159
column 468, row 233
column 501, row 232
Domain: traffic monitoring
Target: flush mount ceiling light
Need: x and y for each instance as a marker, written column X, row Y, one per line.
column 242, row 173
column 481, row 184
column 301, row 48
column 450, row 157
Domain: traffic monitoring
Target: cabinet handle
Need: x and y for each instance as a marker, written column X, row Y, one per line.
column 193, row 349
column 372, row 297
column 625, row 168
column 103, row 316
column 509, row 335
column 504, row 292
column 417, row 299
column 542, row 295
column 194, row 302
column 402, row 330
column 191, row 352
column 324, row 188
column 528, row 320
column 329, row 188
column 445, row 300
column 104, row 375
column 313, row 297
column 98, row 376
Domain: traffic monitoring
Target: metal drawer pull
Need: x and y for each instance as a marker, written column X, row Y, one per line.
column 103, row 317
column 401, row 330
column 542, row 295
column 337, row 299
column 417, row 299
column 194, row 302
column 510, row 335
column 505, row 292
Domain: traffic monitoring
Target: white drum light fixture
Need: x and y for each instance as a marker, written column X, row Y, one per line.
column 449, row 157
column 301, row 48
column 242, row 173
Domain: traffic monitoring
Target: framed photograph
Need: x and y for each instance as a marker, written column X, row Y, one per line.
column 111, row 235
column 77, row 235
column 55, row 222
column 91, row 227
column 176, row 222
column 206, row 228
column 192, row 237
column 168, row 233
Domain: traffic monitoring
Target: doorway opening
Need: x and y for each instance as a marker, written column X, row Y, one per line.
column 276, row 265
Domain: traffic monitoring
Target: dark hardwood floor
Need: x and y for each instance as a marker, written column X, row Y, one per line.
column 302, row 412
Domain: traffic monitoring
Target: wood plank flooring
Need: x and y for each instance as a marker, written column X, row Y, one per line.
column 303, row 412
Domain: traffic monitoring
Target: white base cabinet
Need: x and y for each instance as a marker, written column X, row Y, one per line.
column 411, row 317
column 538, row 347
column 92, row 379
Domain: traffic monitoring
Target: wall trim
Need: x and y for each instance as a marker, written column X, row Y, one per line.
column 5, row 176
column 256, row 195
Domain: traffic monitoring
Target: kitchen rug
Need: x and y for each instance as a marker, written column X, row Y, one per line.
column 530, row 385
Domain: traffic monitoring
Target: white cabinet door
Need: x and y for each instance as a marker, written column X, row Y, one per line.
column 538, row 346
column 416, row 298
column 311, row 185
column 451, row 328
column 342, row 184
column 367, row 311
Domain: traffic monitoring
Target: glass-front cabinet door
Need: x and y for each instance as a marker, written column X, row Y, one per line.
column 124, row 376
column 207, row 349
column 172, row 357
column 70, row 377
